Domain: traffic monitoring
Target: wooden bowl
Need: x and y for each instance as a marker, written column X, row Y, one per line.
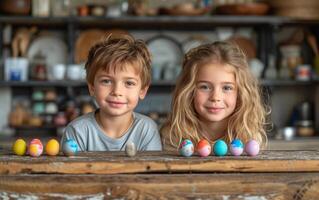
column 293, row 3
column 183, row 9
column 90, row 37
column 246, row 45
column 15, row 7
column 296, row 8
column 243, row 9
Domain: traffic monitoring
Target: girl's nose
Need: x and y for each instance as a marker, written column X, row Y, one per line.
column 216, row 95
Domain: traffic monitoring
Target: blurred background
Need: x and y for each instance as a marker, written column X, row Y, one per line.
column 44, row 44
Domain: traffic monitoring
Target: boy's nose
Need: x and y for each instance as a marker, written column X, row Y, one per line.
column 117, row 90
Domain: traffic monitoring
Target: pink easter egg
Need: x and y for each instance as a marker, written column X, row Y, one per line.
column 35, row 148
column 252, row 148
column 204, row 148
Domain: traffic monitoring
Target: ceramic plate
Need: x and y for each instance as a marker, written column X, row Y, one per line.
column 194, row 41
column 52, row 48
column 165, row 51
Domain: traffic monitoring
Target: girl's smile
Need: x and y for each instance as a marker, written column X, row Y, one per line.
column 214, row 110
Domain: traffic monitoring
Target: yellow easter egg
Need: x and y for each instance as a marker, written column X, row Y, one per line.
column 19, row 147
column 52, row 148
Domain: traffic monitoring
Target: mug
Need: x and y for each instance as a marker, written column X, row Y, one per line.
column 74, row 72
column 16, row 69
column 58, row 71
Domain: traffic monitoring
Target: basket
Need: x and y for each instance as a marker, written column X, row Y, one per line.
column 296, row 8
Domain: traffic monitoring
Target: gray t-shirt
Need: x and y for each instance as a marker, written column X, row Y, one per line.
column 90, row 137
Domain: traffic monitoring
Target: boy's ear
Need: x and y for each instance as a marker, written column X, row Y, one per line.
column 143, row 92
column 91, row 89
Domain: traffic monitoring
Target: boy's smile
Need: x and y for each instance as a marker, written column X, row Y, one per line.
column 116, row 104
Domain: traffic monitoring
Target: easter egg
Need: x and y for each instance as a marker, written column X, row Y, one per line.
column 236, row 147
column 220, row 148
column 203, row 148
column 186, row 148
column 252, row 148
column 70, row 147
column 52, row 147
column 130, row 149
column 35, row 148
column 19, row 147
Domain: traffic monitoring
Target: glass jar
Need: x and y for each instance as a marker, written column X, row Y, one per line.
column 291, row 56
column 60, row 8
column 305, row 128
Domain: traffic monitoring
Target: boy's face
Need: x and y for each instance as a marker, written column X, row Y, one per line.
column 216, row 92
column 117, row 93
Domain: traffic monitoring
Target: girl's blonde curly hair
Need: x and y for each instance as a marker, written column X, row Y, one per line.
column 249, row 117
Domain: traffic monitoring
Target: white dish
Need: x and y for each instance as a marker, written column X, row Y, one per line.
column 52, row 48
column 165, row 51
column 194, row 41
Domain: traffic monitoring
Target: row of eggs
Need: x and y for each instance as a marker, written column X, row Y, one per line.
column 220, row 148
column 52, row 147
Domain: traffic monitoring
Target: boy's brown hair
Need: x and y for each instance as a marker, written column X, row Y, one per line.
column 112, row 53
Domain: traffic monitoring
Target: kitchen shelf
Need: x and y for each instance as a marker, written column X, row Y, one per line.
column 148, row 22
column 278, row 82
column 66, row 83
column 265, row 28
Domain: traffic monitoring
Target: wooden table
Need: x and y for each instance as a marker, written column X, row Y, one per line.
column 161, row 175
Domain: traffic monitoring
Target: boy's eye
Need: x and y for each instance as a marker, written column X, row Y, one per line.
column 106, row 81
column 130, row 83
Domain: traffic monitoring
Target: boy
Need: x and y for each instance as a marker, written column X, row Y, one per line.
column 118, row 73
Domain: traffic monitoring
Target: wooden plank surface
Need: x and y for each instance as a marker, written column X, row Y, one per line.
column 265, row 186
column 163, row 162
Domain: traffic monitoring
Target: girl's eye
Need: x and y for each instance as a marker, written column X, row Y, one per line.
column 228, row 88
column 203, row 87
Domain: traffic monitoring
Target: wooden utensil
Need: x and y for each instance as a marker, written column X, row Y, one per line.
column 312, row 41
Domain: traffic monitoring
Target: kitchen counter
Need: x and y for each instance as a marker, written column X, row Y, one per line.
column 298, row 143
column 154, row 175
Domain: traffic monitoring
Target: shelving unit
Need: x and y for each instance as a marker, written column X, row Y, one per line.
column 265, row 27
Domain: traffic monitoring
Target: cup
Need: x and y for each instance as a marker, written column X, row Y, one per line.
column 58, row 71
column 288, row 133
column 73, row 72
column 16, row 69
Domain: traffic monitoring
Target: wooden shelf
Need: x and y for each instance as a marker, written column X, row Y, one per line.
column 66, row 83
column 267, row 82
column 157, row 21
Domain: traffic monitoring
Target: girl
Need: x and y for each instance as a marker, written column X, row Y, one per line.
column 216, row 97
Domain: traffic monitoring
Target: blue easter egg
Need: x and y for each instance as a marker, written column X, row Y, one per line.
column 70, row 147
column 220, row 148
column 236, row 147
column 186, row 148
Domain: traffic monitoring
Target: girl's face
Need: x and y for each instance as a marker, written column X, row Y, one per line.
column 117, row 93
column 215, row 92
